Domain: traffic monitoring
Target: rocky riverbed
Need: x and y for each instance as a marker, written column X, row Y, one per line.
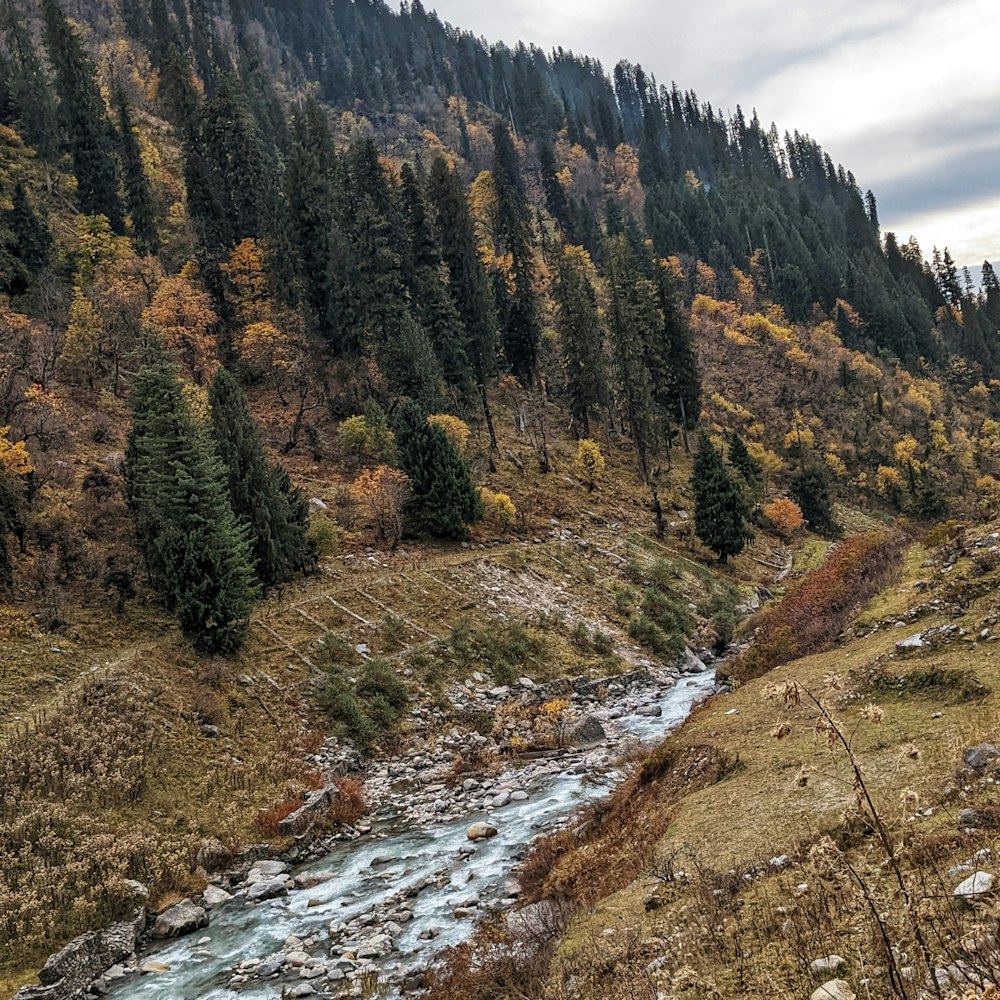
column 439, row 849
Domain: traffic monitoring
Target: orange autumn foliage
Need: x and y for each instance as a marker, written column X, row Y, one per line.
column 785, row 517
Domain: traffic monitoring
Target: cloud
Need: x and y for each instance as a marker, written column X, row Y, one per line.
column 902, row 92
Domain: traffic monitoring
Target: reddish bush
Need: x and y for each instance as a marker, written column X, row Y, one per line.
column 267, row 820
column 813, row 613
column 349, row 805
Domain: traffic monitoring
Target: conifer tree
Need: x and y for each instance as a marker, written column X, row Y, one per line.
column 433, row 308
column 745, row 464
column 578, row 324
column 138, row 196
column 632, row 320
column 25, row 243
column 467, row 280
column 673, row 363
column 521, row 328
column 195, row 549
column 30, row 90
column 811, row 490
column 90, row 137
column 260, row 494
column 444, row 500
column 721, row 509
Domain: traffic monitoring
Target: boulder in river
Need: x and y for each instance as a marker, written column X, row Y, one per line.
column 270, row 889
column 588, row 732
column 181, row 919
column 481, row 831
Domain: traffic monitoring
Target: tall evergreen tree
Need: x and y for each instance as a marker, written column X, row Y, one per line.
column 195, row 549
column 673, row 363
column 90, row 136
column 260, row 494
column 811, row 489
column 745, row 464
column 632, row 321
column 433, row 308
column 467, row 280
column 25, row 243
column 721, row 509
column 444, row 499
column 30, row 92
column 578, row 324
column 521, row 327
column 138, row 195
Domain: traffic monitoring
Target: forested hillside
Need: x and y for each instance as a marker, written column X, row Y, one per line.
column 286, row 281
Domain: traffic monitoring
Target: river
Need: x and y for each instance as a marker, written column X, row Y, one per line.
column 201, row 970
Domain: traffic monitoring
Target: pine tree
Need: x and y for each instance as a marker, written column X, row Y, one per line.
column 260, row 494
column 467, row 279
column 632, row 320
column 90, row 137
column 521, row 327
column 673, row 363
column 25, row 244
column 745, row 464
column 811, row 490
column 433, row 308
column 195, row 549
column 138, row 196
column 30, row 91
column 444, row 499
column 578, row 324
column 721, row 509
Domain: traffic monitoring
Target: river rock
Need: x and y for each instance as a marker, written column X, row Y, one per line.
column 650, row 711
column 150, row 966
column 215, row 896
column 976, row 885
column 184, row 918
column 835, row 989
column 691, row 664
column 519, row 796
column 376, row 947
column 588, row 732
column 296, row 959
column 501, row 799
column 261, row 870
column 481, row 831
column 270, row 889
column 978, row 757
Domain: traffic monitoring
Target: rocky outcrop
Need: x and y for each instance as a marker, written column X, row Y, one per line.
column 68, row 973
column 307, row 813
column 588, row 733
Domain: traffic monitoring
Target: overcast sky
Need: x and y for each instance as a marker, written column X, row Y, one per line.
column 906, row 93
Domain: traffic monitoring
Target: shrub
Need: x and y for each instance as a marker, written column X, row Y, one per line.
column 382, row 493
column 785, row 517
column 500, row 509
column 589, row 462
column 367, row 708
column 812, row 614
column 322, row 534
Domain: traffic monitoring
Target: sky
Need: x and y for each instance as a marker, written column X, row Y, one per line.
column 905, row 93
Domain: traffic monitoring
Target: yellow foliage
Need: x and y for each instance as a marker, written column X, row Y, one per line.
column 835, row 464
column 589, row 462
column 553, row 709
column 888, row 480
column 182, row 315
column 771, row 463
column 734, row 335
column 939, row 437
column 800, row 436
column 246, row 270
column 738, row 411
column 980, row 393
column 705, row 279
column 918, row 400
column 83, row 335
column 764, row 329
column 500, row 509
column 905, row 451
column 456, row 428
column 14, row 457
column 860, row 365
column 798, row 357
